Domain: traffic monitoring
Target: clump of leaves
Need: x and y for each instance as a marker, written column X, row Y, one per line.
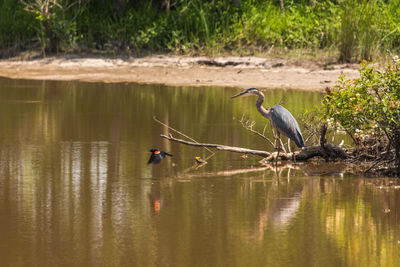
column 368, row 108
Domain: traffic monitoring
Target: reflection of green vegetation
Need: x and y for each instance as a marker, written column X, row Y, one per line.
column 337, row 223
column 74, row 175
column 360, row 221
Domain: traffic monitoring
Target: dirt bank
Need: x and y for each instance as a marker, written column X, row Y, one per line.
column 176, row 70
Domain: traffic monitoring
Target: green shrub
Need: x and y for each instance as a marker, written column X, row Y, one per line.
column 368, row 107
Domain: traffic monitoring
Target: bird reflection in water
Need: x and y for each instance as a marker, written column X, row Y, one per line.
column 278, row 211
column 155, row 198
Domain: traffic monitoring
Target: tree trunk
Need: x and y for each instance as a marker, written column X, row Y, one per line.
column 53, row 40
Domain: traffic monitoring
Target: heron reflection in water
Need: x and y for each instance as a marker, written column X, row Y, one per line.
column 281, row 119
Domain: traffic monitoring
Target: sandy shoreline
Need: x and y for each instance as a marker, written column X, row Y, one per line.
column 180, row 71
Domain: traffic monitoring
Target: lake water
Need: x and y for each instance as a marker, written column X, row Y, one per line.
column 76, row 190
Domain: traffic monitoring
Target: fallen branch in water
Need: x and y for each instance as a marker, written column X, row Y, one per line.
column 329, row 151
column 219, row 147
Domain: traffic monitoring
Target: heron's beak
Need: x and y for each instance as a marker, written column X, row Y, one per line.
column 240, row 94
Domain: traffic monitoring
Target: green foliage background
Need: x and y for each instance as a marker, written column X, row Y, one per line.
column 356, row 29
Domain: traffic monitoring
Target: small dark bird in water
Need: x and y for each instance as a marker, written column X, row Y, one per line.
column 157, row 156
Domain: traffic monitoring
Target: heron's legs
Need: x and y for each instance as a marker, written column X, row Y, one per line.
column 279, row 147
column 275, row 137
column 282, row 145
column 290, row 151
column 278, row 140
column 288, row 145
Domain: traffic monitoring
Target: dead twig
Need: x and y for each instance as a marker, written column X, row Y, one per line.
column 249, row 127
column 184, row 135
column 373, row 165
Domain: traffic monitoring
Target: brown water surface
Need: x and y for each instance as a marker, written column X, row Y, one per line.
column 75, row 189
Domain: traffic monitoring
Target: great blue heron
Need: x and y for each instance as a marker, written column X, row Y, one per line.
column 157, row 156
column 281, row 119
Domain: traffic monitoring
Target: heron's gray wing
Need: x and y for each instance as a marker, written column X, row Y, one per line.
column 299, row 139
column 286, row 124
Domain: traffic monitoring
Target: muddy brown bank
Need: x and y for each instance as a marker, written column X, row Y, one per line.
column 181, row 71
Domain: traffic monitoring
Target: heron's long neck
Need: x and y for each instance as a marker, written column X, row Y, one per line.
column 260, row 107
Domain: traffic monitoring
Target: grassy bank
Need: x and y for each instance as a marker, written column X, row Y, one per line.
column 351, row 29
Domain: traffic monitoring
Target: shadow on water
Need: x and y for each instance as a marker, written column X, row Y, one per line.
column 76, row 190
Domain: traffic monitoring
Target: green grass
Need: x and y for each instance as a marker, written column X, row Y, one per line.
column 352, row 29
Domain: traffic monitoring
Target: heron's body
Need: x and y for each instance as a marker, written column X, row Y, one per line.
column 281, row 119
column 284, row 122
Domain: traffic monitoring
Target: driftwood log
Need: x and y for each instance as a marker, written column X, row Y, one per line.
column 324, row 150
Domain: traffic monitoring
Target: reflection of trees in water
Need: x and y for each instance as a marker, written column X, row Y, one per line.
column 359, row 215
column 352, row 218
column 92, row 201
column 72, row 193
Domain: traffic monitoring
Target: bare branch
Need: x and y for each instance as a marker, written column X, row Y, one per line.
column 220, row 147
column 249, row 127
column 184, row 135
column 305, row 154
